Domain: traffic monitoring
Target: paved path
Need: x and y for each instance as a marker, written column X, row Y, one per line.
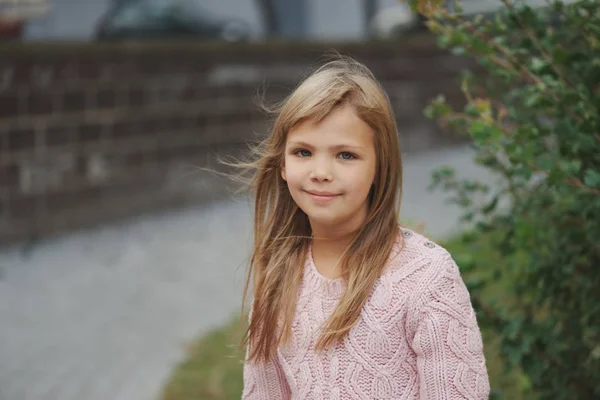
column 104, row 314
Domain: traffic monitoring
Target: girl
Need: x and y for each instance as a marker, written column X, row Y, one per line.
column 348, row 305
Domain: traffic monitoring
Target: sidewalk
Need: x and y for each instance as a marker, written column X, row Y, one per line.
column 104, row 314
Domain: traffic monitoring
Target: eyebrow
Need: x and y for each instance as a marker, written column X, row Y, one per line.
column 336, row 147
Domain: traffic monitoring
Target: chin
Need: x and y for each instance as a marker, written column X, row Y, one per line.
column 325, row 219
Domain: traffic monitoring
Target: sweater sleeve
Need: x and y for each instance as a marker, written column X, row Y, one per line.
column 447, row 341
column 265, row 381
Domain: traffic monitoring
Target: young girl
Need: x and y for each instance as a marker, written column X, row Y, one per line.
column 347, row 304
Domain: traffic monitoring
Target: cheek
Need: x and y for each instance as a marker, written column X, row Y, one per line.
column 361, row 179
column 293, row 174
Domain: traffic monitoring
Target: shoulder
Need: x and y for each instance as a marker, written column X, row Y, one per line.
column 418, row 264
column 428, row 278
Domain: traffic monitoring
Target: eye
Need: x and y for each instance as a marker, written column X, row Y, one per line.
column 302, row 153
column 344, row 155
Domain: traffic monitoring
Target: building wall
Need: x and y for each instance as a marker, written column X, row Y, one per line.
column 89, row 134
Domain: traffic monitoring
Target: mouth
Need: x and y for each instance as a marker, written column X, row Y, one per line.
column 322, row 196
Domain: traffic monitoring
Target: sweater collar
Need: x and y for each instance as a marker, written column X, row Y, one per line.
column 318, row 283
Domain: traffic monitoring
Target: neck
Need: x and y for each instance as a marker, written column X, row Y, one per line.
column 333, row 240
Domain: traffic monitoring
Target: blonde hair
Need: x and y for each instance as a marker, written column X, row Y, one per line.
column 282, row 231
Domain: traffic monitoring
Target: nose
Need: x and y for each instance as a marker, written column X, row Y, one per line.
column 321, row 170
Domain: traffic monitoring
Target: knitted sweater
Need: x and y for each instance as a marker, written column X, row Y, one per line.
column 416, row 337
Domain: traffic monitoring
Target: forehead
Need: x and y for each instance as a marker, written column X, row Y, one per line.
column 342, row 126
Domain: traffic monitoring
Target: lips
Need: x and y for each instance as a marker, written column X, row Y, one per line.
column 322, row 196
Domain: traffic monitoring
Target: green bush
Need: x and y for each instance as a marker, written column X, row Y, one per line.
column 533, row 115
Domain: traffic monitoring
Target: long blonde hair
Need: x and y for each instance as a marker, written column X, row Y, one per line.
column 282, row 231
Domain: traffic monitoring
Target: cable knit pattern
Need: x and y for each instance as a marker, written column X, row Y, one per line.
column 416, row 338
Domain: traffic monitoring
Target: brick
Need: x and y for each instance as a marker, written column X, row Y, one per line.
column 155, row 126
column 58, row 136
column 175, row 123
column 21, row 139
column 3, row 144
column 200, row 122
column 210, row 92
column 135, row 159
column 67, row 72
column 3, row 215
column 189, row 122
column 81, row 166
column 123, row 129
column 74, row 100
column 23, row 206
column 150, row 65
column 44, row 74
column 72, row 199
column 148, row 126
column 190, row 93
column 9, row 104
column 137, row 97
column 89, row 132
column 106, row 98
column 40, row 101
column 89, row 68
column 7, row 74
column 9, row 175
column 165, row 154
column 21, row 73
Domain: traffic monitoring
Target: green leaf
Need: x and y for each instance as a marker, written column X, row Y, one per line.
column 444, row 41
column 592, row 178
column 546, row 162
column 471, row 110
column 479, row 131
column 559, row 55
column 491, row 206
column 571, row 167
column 429, row 111
column 537, row 64
column 533, row 99
column 459, row 51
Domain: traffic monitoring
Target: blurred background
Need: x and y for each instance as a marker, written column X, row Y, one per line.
column 118, row 249
column 228, row 20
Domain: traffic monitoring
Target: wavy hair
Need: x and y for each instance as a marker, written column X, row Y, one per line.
column 282, row 232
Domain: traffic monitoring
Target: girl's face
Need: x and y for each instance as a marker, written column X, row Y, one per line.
column 330, row 167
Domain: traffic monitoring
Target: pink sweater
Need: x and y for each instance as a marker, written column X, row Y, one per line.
column 416, row 338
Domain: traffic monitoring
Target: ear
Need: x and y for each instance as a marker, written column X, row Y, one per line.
column 283, row 174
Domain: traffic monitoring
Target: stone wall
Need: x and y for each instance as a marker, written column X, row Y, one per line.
column 96, row 132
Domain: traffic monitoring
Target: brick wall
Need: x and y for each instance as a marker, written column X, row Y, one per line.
column 90, row 133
